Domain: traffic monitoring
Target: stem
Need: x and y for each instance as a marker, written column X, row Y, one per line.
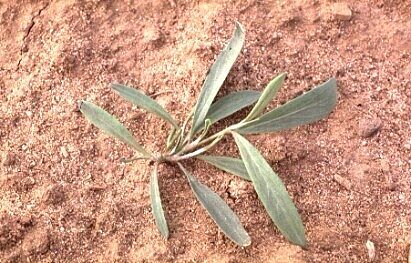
column 187, row 151
column 197, row 152
column 183, row 129
column 221, row 133
column 123, row 160
column 214, row 136
column 204, row 132
column 177, row 144
column 196, row 144
column 171, row 138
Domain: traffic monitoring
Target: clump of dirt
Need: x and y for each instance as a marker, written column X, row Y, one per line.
column 65, row 196
column 13, row 229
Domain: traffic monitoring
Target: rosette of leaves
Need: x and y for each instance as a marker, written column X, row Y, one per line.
column 191, row 139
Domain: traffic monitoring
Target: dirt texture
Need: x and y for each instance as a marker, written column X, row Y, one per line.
column 65, row 197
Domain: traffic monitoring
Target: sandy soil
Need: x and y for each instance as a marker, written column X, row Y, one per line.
column 65, row 197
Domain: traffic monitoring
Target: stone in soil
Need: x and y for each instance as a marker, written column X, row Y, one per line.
column 337, row 11
column 369, row 127
column 341, row 11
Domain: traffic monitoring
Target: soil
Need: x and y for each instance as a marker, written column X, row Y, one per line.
column 65, row 197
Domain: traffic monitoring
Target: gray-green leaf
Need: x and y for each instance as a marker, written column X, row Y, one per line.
column 221, row 213
column 229, row 164
column 268, row 94
column 141, row 100
column 307, row 108
column 156, row 206
column 172, row 138
column 216, row 76
column 230, row 104
column 272, row 192
column 110, row 125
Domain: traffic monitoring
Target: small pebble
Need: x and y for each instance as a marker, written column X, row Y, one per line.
column 369, row 127
column 343, row 181
column 392, row 186
column 64, row 152
column 237, row 188
column 341, row 11
column 153, row 36
column 385, row 165
column 407, row 145
column 337, row 11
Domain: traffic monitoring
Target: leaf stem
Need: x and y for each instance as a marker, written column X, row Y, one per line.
column 197, row 152
column 222, row 133
column 124, row 160
column 192, row 149
column 183, row 129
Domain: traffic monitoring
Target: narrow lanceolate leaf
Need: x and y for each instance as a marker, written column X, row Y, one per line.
column 228, row 164
column 272, row 192
column 309, row 107
column 156, row 206
column 110, row 125
column 268, row 94
column 216, row 76
column 221, row 213
column 171, row 138
column 143, row 101
column 230, row 104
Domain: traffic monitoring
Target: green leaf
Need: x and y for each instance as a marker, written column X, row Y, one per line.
column 268, row 94
column 110, row 125
column 230, row 104
column 272, row 192
column 229, row 164
column 171, row 138
column 309, row 107
column 156, row 206
column 216, row 76
column 141, row 100
column 221, row 213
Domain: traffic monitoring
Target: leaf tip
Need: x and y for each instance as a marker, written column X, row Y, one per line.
column 283, row 75
column 240, row 27
column 301, row 242
column 247, row 242
column 331, row 84
column 79, row 104
column 332, row 87
column 333, row 81
column 165, row 234
column 280, row 78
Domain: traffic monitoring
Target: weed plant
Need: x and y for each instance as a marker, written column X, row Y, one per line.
column 192, row 139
